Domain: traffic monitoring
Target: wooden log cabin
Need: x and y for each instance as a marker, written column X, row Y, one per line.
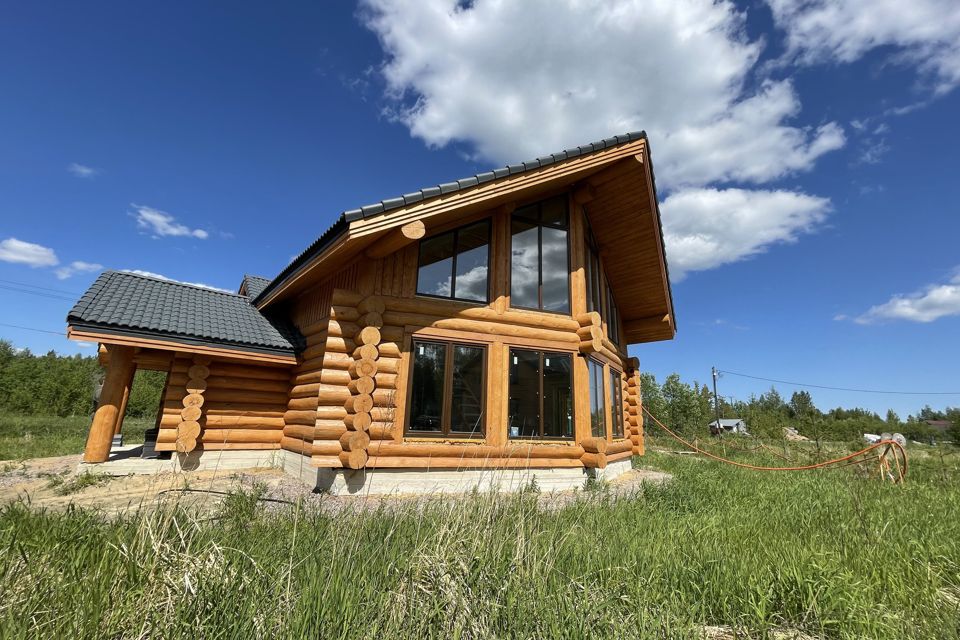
column 476, row 325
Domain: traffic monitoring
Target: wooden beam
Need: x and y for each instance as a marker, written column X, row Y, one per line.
column 397, row 239
column 169, row 345
column 111, row 399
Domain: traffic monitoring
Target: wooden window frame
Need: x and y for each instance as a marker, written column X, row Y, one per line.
column 543, row 353
column 453, row 269
column 605, row 409
column 540, row 225
column 447, row 400
column 598, row 286
column 616, row 404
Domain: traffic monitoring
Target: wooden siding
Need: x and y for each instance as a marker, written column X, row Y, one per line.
column 242, row 406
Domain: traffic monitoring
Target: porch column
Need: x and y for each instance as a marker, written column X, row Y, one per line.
column 123, row 403
column 116, row 385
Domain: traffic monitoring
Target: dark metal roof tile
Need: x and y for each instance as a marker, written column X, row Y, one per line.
column 449, row 187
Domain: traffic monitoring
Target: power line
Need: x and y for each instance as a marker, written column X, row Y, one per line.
column 16, row 326
column 40, row 294
column 34, row 286
column 820, row 386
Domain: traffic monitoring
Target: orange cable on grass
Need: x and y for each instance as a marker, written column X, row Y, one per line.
column 849, row 459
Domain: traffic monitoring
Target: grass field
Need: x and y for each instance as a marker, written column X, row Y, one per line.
column 36, row 436
column 830, row 554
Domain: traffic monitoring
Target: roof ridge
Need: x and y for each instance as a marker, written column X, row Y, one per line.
column 171, row 282
column 444, row 188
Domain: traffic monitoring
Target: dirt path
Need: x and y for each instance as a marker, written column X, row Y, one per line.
column 55, row 483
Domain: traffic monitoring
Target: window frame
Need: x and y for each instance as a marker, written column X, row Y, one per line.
column 543, row 353
column 445, row 431
column 599, row 296
column 453, row 268
column 602, row 391
column 616, row 405
column 539, row 224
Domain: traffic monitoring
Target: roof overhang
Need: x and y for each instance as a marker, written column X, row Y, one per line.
column 184, row 344
column 619, row 176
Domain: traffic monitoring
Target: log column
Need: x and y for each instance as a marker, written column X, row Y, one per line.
column 363, row 383
column 188, row 431
column 123, row 404
column 633, row 402
column 115, row 386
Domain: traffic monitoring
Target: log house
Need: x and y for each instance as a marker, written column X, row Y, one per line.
column 478, row 324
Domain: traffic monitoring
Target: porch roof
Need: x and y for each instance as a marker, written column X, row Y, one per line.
column 123, row 304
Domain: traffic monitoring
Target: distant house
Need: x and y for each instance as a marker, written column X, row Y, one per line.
column 728, row 425
column 940, row 426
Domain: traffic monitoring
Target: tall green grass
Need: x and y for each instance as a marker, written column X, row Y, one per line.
column 44, row 436
column 834, row 554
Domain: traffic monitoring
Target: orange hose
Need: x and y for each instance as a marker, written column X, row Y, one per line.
column 819, row 465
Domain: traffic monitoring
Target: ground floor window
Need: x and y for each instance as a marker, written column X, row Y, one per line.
column 540, row 394
column 616, row 404
column 447, row 388
column 598, row 424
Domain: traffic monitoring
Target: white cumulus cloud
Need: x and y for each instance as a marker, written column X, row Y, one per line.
column 707, row 228
column 28, row 253
column 82, row 170
column 75, row 267
column 161, row 223
column 158, row 276
column 922, row 33
column 931, row 303
column 515, row 80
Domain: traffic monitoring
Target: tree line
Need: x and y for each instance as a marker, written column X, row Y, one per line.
column 57, row 385
column 53, row 384
column 689, row 409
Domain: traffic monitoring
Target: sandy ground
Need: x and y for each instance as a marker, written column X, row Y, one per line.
column 54, row 483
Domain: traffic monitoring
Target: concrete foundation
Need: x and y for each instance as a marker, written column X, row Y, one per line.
column 126, row 461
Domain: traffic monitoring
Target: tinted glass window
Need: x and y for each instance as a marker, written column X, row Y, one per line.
column 557, row 396
column 446, row 389
column 426, row 402
column 473, row 252
column 598, row 427
column 466, row 403
column 435, row 275
column 525, row 265
column 539, row 266
column 540, row 396
column 616, row 404
column 554, row 211
column 455, row 264
column 524, row 394
column 556, row 276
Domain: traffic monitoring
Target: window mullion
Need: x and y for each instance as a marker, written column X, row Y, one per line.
column 447, row 389
column 540, row 376
column 453, row 269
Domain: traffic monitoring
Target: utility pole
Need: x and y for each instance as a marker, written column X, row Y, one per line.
column 716, row 399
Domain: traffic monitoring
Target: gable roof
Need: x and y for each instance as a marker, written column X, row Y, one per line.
column 130, row 304
column 252, row 286
column 385, row 206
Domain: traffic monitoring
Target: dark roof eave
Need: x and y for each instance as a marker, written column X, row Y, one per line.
column 180, row 339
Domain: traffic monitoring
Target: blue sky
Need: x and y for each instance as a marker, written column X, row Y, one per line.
column 806, row 155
